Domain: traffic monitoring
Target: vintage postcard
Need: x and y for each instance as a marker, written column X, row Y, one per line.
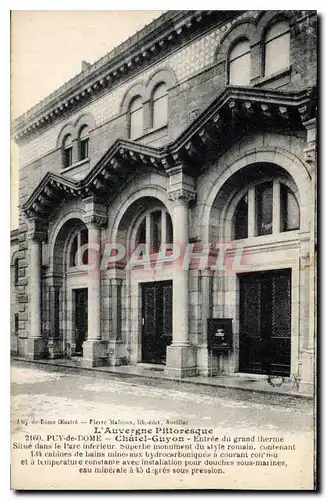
column 163, row 250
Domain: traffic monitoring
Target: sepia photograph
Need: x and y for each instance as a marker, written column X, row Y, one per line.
column 163, row 250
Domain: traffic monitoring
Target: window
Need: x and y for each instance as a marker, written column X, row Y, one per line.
column 277, row 48
column 240, row 64
column 290, row 213
column 16, row 271
column 256, row 212
column 155, row 229
column 264, row 208
column 136, row 118
column 84, row 143
column 241, row 219
column 16, row 322
column 68, row 151
column 160, row 106
column 76, row 258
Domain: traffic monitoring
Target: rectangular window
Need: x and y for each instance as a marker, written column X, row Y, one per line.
column 16, row 322
column 241, row 219
column 84, row 149
column 264, row 208
column 68, row 159
column 136, row 123
column 277, row 54
column 156, row 230
column 290, row 215
column 239, row 70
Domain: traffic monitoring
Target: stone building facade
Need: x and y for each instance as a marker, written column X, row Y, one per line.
column 194, row 141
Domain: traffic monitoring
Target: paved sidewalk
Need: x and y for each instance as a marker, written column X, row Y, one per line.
column 254, row 384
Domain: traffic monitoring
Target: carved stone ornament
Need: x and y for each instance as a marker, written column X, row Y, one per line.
column 310, row 154
column 37, row 230
column 182, row 196
column 97, row 219
column 193, row 114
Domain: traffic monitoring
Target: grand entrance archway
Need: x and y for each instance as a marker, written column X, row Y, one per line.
column 265, row 322
column 156, row 320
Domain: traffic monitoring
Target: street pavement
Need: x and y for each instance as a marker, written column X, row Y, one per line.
column 38, row 393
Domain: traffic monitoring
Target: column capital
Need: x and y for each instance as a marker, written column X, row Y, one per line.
column 37, row 230
column 95, row 211
column 116, row 281
column 182, row 196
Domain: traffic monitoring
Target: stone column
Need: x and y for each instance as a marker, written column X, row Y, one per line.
column 115, row 341
column 36, row 347
column 207, row 365
column 94, row 350
column 309, row 351
column 181, row 356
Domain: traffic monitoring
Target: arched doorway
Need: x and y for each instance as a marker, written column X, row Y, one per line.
column 68, row 285
column 147, row 304
column 258, row 208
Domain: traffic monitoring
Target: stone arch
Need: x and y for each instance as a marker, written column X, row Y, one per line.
column 59, row 236
column 137, row 89
column 164, row 75
column 67, row 129
column 267, row 19
column 155, row 191
column 278, row 157
column 244, row 29
column 14, row 257
column 85, row 119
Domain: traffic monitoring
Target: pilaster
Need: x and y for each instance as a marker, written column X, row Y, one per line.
column 94, row 348
column 36, row 234
column 181, row 355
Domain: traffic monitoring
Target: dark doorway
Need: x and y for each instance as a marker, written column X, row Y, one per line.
column 80, row 319
column 156, row 320
column 265, row 323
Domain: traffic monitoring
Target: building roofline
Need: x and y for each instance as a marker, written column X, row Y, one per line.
column 156, row 37
column 235, row 104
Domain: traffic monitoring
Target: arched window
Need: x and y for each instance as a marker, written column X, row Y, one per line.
column 155, row 230
column 266, row 208
column 136, row 118
column 240, row 64
column 68, row 151
column 160, row 106
column 277, row 48
column 77, row 255
column 84, row 138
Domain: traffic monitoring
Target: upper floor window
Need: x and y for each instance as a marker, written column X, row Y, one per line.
column 16, row 271
column 240, row 64
column 136, row 118
column 277, row 48
column 16, row 322
column 78, row 255
column 84, row 139
column 155, row 230
column 269, row 207
column 68, row 151
column 160, row 106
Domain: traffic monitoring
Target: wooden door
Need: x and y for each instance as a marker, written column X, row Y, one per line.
column 80, row 319
column 156, row 321
column 265, row 323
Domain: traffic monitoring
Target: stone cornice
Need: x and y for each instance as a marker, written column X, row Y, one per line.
column 236, row 109
column 157, row 38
